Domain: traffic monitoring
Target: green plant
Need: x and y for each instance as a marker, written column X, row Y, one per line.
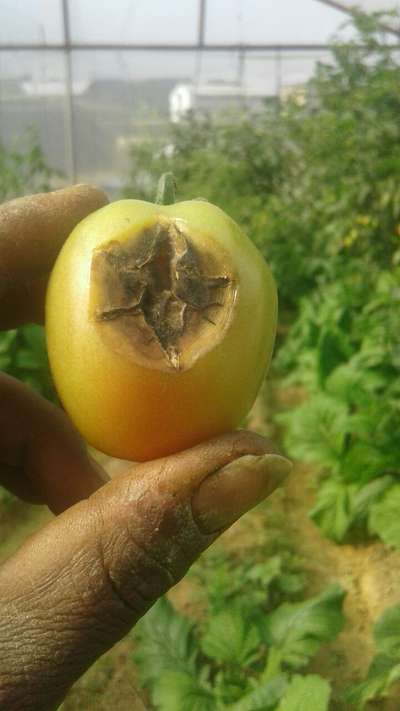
column 23, row 355
column 262, row 579
column 23, row 168
column 249, row 651
column 385, row 667
column 6, row 498
column 347, row 335
column 316, row 187
column 309, row 183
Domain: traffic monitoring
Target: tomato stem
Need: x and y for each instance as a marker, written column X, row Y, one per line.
column 166, row 189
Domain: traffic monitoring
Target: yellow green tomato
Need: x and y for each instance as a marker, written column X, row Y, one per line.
column 160, row 323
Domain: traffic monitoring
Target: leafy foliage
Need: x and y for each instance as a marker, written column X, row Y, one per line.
column 306, row 693
column 344, row 346
column 242, row 657
column 23, row 168
column 385, row 667
column 231, row 638
column 264, row 696
column 315, row 185
column 260, row 580
column 349, row 425
column 311, row 183
column 296, row 630
column 23, row 355
column 384, row 517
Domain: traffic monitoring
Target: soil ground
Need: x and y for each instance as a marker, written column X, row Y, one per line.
column 369, row 573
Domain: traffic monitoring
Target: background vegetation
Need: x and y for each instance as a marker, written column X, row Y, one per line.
column 315, row 184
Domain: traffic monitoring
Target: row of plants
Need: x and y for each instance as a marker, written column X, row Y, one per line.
column 251, row 648
column 344, row 346
column 345, row 350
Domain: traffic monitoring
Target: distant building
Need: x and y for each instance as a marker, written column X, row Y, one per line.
column 212, row 97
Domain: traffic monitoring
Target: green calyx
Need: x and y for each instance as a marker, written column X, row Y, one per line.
column 166, row 189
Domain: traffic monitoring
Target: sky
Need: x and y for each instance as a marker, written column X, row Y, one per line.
column 158, row 21
column 171, row 21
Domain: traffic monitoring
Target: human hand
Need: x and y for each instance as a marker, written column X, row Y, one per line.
column 78, row 585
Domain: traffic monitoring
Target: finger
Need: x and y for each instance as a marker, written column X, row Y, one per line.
column 78, row 586
column 42, row 457
column 32, row 231
column 23, row 303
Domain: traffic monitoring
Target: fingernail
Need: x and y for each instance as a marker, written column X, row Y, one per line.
column 234, row 489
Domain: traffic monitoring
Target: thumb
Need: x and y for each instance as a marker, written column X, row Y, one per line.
column 78, row 586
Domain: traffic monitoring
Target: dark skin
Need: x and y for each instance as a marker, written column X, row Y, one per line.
column 79, row 584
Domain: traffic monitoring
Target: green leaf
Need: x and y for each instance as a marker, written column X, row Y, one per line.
column 7, row 340
column 384, row 519
column 306, row 693
column 333, row 509
column 297, row 630
column 8, row 343
column 369, row 494
column 267, row 571
column 27, row 359
column 316, row 431
column 364, row 461
column 263, row 696
column 387, row 632
column 351, row 383
column 382, row 673
column 291, row 583
column 385, row 667
column 341, row 505
column 230, row 637
column 333, row 349
column 34, row 337
column 166, row 644
column 5, row 362
column 175, row 690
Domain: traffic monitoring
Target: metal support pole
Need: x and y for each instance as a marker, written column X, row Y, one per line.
column 278, row 74
column 208, row 47
column 202, row 22
column 69, row 106
column 349, row 8
column 200, row 41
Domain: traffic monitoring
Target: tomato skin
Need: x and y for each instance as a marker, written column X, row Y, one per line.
column 131, row 411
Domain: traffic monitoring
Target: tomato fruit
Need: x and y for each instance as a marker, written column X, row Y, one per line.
column 160, row 324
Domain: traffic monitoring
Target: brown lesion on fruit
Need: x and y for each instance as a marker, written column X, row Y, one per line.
column 159, row 298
